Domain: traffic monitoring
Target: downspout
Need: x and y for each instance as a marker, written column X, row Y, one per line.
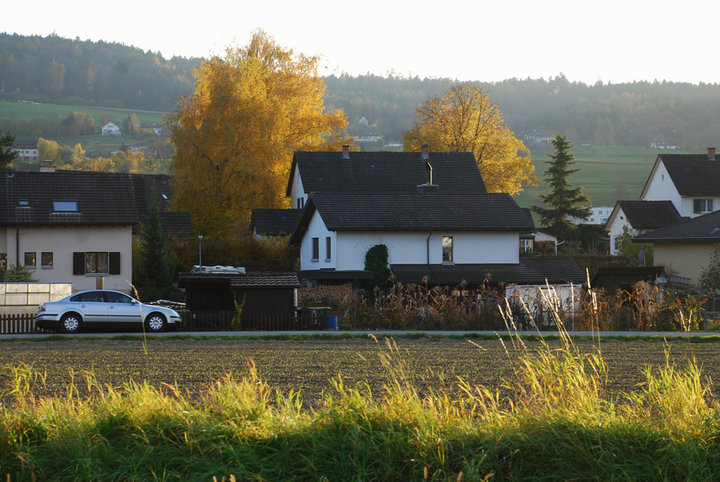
column 427, row 245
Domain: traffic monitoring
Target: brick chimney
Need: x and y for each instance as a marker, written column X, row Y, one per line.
column 425, row 151
column 711, row 153
column 346, row 151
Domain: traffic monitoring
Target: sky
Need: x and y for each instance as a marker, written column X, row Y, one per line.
column 609, row 41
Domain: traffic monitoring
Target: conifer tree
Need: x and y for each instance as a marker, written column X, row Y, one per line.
column 153, row 279
column 7, row 155
column 564, row 200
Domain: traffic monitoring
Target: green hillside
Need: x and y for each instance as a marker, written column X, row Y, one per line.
column 102, row 115
column 608, row 173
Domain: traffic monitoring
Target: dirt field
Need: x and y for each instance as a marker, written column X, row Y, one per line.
column 309, row 365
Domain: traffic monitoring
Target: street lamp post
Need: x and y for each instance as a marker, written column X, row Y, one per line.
column 200, row 238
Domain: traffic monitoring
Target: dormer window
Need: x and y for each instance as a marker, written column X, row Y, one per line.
column 65, row 206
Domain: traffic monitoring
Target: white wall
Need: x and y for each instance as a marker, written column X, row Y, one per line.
column 349, row 248
column 661, row 188
column 297, row 190
column 62, row 242
column 615, row 229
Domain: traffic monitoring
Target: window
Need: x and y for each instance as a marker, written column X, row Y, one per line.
column 300, row 203
column 65, row 206
column 3, row 261
column 702, row 206
column 315, row 249
column 30, row 259
column 447, row 249
column 112, row 297
column 89, row 297
column 94, row 263
column 328, row 246
column 526, row 245
column 23, row 203
column 46, row 259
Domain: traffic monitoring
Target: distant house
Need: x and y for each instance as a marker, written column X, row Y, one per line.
column 685, row 247
column 598, row 216
column 111, row 129
column 639, row 217
column 691, row 182
column 26, row 149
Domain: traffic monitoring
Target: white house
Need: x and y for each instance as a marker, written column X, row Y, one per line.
column 639, row 217
column 690, row 181
column 431, row 211
column 111, row 129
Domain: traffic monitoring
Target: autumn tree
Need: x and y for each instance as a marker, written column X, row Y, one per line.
column 563, row 201
column 464, row 119
column 236, row 134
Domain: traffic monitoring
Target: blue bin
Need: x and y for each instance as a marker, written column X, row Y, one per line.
column 332, row 322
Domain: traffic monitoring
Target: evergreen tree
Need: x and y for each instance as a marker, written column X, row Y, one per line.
column 153, row 279
column 564, row 201
column 7, row 155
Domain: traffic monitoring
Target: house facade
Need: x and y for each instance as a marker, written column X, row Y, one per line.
column 691, row 182
column 684, row 248
column 111, row 129
column 76, row 227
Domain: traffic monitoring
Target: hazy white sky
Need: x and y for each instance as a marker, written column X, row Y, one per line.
column 607, row 40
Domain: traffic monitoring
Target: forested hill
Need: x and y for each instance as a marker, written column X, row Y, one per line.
column 64, row 71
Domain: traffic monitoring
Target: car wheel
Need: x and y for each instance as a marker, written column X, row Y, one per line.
column 155, row 322
column 70, row 323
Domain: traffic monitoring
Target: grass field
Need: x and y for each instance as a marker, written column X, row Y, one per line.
column 608, row 173
column 27, row 111
column 198, row 410
column 309, row 365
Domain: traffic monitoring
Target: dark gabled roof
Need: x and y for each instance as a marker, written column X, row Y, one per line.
column 534, row 271
column 102, row 198
column 386, row 172
column 157, row 189
column 702, row 229
column 274, row 222
column 693, row 174
column 415, row 212
column 650, row 214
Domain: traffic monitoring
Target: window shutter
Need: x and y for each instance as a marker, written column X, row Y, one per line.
column 115, row 263
column 78, row 263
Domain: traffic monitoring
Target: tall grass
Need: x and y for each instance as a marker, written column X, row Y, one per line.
column 551, row 419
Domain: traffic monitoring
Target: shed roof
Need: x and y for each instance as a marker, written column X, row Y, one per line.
column 705, row 228
column 274, row 222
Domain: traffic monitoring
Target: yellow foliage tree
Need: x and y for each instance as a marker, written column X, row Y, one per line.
column 465, row 120
column 236, row 134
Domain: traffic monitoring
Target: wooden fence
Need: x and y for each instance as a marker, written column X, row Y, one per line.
column 222, row 321
column 18, row 324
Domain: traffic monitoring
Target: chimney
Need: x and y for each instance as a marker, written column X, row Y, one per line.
column 346, row 151
column 425, row 151
column 711, row 153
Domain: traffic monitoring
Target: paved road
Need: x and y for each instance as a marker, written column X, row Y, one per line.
column 244, row 334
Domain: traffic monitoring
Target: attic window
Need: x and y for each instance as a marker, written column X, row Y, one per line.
column 65, row 206
column 24, row 203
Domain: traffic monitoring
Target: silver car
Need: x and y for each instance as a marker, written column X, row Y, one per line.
column 103, row 308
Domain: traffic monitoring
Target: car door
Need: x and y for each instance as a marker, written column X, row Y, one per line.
column 91, row 305
column 122, row 308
